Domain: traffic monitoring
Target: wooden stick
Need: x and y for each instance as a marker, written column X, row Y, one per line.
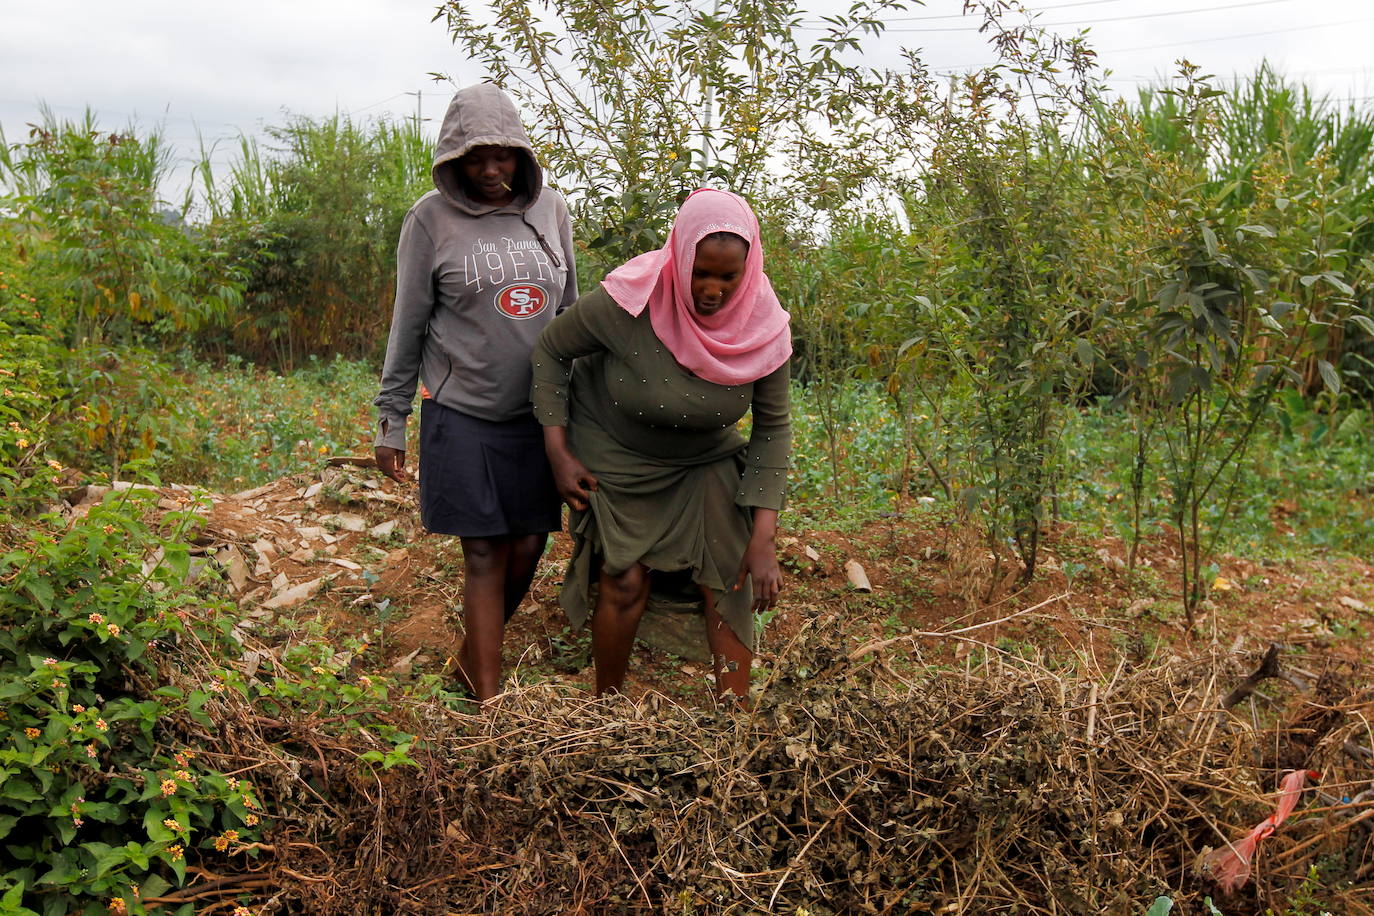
column 1268, row 667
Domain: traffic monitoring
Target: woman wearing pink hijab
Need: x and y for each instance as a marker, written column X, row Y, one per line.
column 639, row 387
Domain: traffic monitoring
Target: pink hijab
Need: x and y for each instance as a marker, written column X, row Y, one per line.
column 745, row 340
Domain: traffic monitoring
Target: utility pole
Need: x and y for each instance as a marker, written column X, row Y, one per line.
column 706, row 145
column 419, row 98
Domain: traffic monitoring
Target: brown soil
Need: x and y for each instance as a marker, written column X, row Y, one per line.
column 933, row 584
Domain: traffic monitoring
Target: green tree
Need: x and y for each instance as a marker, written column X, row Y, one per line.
column 129, row 265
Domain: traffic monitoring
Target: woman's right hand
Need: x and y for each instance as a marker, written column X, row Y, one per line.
column 392, row 462
column 574, row 482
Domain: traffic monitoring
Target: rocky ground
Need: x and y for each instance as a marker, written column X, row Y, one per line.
column 342, row 551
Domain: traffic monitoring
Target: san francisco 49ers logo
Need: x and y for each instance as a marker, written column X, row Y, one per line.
column 521, row 301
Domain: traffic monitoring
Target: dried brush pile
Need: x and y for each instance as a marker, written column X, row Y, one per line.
column 1005, row 788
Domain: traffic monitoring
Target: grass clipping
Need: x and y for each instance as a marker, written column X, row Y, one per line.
column 1002, row 788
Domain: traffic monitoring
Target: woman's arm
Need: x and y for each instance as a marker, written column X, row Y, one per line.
column 565, row 236
column 761, row 559
column 576, row 332
column 405, row 344
column 764, row 482
column 572, row 478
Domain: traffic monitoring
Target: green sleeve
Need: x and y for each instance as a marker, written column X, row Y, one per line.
column 580, row 330
column 764, row 483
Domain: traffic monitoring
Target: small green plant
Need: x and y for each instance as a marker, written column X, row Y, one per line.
column 99, row 803
column 88, row 199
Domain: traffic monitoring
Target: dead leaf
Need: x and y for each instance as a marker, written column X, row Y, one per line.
column 345, row 521
column 295, row 595
column 230, row 558
column 856, row 575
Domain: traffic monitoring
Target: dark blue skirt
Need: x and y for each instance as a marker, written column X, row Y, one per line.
column 483, row 478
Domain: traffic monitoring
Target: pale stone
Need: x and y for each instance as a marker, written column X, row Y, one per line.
column 231, row 559
column 856, row 575
column 250, row 494
column 295, row 595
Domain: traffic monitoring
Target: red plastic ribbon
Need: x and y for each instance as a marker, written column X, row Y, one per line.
column 1230, row 865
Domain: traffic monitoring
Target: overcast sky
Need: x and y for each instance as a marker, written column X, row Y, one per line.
column 230, row 67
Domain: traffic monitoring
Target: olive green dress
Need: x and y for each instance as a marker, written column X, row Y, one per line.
column 677, row 483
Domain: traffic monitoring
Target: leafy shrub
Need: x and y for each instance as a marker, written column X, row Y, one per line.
column 28, row 382
column 98, row 806
column 89, row 203
column 313, row 224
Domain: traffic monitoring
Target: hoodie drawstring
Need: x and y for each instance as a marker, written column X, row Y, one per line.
column 543, row 242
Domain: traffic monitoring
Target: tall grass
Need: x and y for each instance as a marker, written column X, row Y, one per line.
column 314, row 218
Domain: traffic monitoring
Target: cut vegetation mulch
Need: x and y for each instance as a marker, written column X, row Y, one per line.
column 926, row 762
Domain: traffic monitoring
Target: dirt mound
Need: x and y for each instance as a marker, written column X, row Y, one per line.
column 928, row 744
column 1004, row 787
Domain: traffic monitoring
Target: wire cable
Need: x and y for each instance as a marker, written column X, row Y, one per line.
column 1039, row 9
column 951, row 69
column 1083, row 22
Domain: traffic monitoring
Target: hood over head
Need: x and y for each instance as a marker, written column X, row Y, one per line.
column 483, row 115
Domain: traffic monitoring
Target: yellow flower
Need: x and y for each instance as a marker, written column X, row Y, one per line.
column 169, row 787
column 33, row 733
column 221, row 844
column 23, row 443
column 113, row 629
column 96, row 618
column 172, row 824
column 251, row 820
column 175, row 851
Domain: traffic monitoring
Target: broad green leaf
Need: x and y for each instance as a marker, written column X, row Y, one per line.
column 1330, row 377
column 1209, row 238
column 1085, row 351
column 1160, row 907
column 1336, row 281
column 154, row 886
column 1365, row 322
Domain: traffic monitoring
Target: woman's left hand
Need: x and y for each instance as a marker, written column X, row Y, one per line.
column 761, row 563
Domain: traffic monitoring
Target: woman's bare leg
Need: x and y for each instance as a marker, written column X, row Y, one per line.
column 731, row 658
column 620, row 603
column 525, row 551
column 485, row 571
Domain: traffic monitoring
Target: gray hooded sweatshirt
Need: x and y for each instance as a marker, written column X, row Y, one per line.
column 475, row 284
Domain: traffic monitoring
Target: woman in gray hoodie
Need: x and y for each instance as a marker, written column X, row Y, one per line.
column 485, row 261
